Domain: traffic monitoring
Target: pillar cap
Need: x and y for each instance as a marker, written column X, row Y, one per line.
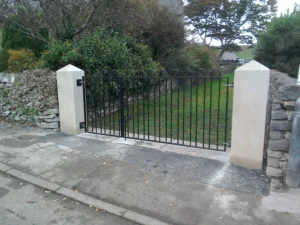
column 70, row 68
column 253, row 66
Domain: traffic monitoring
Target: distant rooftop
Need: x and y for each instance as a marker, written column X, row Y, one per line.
column 229, row 55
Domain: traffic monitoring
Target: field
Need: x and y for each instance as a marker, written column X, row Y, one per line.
column 246, row 53
column 193, row 113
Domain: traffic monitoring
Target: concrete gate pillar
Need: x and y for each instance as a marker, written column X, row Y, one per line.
column 251, row 92
column 70, row 97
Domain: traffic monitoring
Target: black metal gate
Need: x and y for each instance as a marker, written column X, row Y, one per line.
column 182, row 108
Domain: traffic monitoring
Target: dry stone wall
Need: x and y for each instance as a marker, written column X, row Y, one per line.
column 283, row 95
column 30, row 96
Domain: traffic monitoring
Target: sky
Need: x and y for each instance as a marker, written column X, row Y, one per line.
column 282, row 5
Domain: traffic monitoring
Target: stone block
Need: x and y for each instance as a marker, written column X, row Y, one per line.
column 275, row 154
column 290, row 115
column 48, row 117
column 286, row 155
column 273, row 162
column 280, row 125
column 276, row 106
column 277, row 135
column 43, row 125
column 51, row 111
column 284, row 165
column 288, row 93
column 278, row 114
column 281, row 145
column 288, row 135
column 277, row 101
column 290, row 105
column 274, row 172
column 56, row 119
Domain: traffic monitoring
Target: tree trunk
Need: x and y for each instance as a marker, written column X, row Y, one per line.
column 221, row 54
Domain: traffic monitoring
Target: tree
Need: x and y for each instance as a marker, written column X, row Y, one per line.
column 18, row 39
column 62, row 19
column 229, row 21
column 279, row 47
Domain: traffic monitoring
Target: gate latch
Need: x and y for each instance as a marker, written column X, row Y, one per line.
column 79, row 82
column 230, row 85
column 82, row 125
column 228, row 144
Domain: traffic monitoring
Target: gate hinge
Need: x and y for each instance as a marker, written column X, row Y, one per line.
column 230, row 85
column 79, row 82
column 82, row 125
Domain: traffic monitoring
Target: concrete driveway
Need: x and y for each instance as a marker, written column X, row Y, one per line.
column 174, row 188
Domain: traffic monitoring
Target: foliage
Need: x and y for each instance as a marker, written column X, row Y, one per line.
column 191, row 56
column 228, row 21
column 279, row 47
column 23, row 59
column 17, row 38
column 144, row 20
column 103, row 50
column 3, row 60
column 62, row 19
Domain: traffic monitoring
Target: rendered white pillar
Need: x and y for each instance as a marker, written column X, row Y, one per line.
column 70, row 97
column 251, row 92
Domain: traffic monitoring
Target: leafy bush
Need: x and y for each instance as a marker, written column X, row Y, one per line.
column 103, row 50
column 17, row 38
column 23, row 59
column 279, row 47
column 3, row 60
column 192, row 56
column 147, row 21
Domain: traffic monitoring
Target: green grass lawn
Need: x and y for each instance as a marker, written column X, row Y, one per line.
column 193, row 113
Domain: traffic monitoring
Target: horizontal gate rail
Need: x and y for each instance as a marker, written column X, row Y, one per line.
column 182, row 108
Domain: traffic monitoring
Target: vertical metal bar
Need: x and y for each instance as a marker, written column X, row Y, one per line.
column 218, row 119
column 178, row 115
column 159, row 110
column 154, row 108
column 138, row 112
column 226, row 116
column 197, row 92
column 210, row 111
column 99, row 87
column 204, row 112
column 166, row 103
column 84, row 104
column 122, row 106
column 149, row 110
column 109, row 103
column 125, row 126
column 144, row 123
column 171, row 109
column 93, row 99
column 97, row 105
column 191, row 107
column 127, row 108
column 183, row 106
column 114, row 128
column 103, row 95
column 132, row 85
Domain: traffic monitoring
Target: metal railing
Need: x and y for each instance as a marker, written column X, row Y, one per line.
column 183, row 108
